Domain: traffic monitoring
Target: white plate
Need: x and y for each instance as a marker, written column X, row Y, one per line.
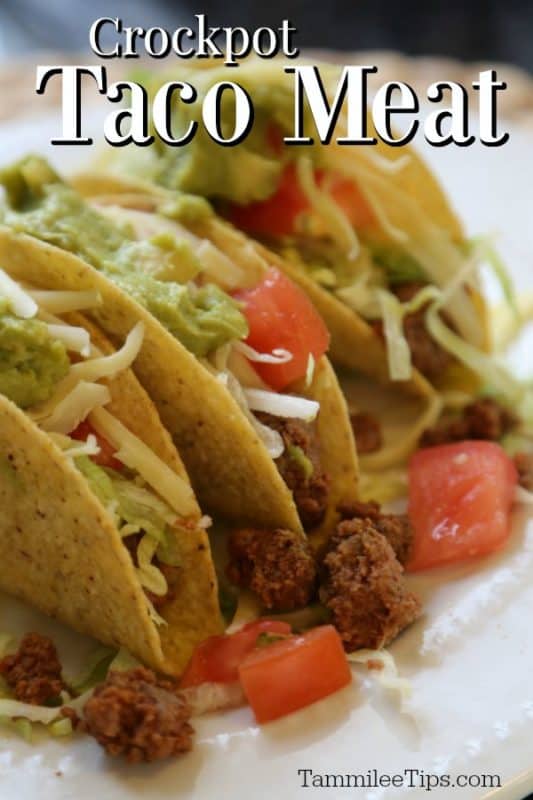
column 469, row 659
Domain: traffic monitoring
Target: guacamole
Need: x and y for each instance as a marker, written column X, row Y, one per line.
column 242, row 174
column 31, row 361
column 155, row 272
column 201, row 318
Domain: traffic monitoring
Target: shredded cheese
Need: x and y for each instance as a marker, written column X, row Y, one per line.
column 21, row 303
column 282, row 405
column 76, row 407
column 75, row 339
column 107, row 366
column 61, row 302
column 135, row 454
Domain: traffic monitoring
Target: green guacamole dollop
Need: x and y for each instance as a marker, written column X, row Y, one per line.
column 201, row 318
column 31, row 361
column 155, row 272
column 245, row 173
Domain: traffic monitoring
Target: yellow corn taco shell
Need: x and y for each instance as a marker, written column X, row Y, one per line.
column 61, row 551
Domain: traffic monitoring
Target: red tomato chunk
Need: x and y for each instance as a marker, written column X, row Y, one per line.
column 460, row 498
column 278, row 215
column 295, row 672
column 217, row 659
column 106, row 456
column 280, row 315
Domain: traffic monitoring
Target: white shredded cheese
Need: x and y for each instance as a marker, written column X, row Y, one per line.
column 136, row 455
column 61, row 302
column 22, row 305
column 277, row 356
column 310, row 371
column 72, row 448
column 75, row 339
column 282, row 405
column 76, row 407
column 108, row 366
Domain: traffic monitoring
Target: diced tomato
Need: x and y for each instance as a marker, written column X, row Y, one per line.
column 106, row 456
column 280, row 315
column 349, row 198
column 294, row 673
column 460, row 497
column 217, row 659
column 278, row 214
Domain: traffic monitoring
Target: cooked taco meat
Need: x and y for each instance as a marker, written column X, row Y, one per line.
column 483, row 419
column 135, row 715
column 363, row 587
column 524, row 465
column 33, row 673
column 300, row 467
column 396, row 528
column 367, row 432
column 277, row 565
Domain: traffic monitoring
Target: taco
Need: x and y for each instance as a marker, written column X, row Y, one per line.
column 261, row 424
column 367, row 232
column 100, row 526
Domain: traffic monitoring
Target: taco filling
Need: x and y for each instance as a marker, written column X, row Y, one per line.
column 261, row 341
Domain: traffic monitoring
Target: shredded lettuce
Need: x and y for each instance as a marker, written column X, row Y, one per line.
column 136, row 509
column 398, row 352
column 484, row 248
column 135, row 454
column 61, row 727
column 19, row 725
column 387, row 673
column 362, row 295
column 99, row 480
column 123, row 661
column 394, row 313
column 488, row 368
column 94, row 671
column 329, row 212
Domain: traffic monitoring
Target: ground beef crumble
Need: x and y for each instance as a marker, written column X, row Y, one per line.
column 33, row 673
column 396, row 528
column 524, row 466
column 135, row 715
column 363, row 587
column 483, row 419
column 277, row 565
column 310, row 492
column 367, row 432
